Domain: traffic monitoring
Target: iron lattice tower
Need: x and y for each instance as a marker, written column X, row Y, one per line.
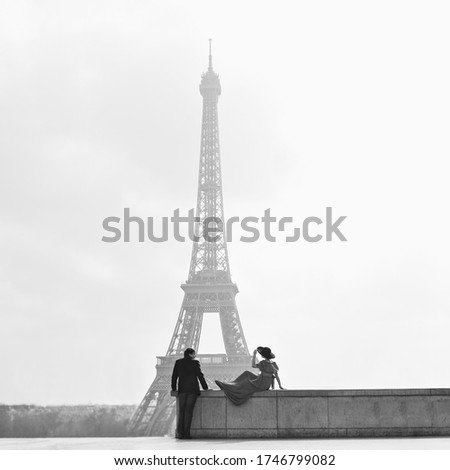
column 208, row 289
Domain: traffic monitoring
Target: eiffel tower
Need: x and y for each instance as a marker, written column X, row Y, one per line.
column 208, row 289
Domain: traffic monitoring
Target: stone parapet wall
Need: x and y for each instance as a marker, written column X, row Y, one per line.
column 324, row 413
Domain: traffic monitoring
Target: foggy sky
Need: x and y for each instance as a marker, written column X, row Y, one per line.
column 341, row 104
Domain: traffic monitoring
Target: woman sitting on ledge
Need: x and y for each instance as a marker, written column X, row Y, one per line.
column 244, row 386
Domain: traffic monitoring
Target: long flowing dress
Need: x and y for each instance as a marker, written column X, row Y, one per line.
column 244, row 386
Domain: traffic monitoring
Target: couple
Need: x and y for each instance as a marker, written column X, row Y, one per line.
column 187, row 373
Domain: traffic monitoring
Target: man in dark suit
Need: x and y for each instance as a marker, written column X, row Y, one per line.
column 187, row 372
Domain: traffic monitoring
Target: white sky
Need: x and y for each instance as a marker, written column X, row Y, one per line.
column 333, row 103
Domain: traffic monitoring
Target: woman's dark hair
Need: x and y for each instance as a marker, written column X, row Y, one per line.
column 188, row 352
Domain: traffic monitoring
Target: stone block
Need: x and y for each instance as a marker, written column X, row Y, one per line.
column 353, row 412
column 197, row 416
column 256, row 413
column 419, row 411
column 392, row 411
column 441, row 411
column 213, row 413
column 302, row 412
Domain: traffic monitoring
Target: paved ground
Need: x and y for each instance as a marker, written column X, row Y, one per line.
column 167, row 443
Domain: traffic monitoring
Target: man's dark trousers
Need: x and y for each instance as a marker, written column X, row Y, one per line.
column 186, row 403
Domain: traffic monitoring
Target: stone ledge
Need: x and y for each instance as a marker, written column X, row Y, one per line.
column 324, row 414
column 337, row 393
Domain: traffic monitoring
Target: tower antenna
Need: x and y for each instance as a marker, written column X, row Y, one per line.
column 210, row 55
